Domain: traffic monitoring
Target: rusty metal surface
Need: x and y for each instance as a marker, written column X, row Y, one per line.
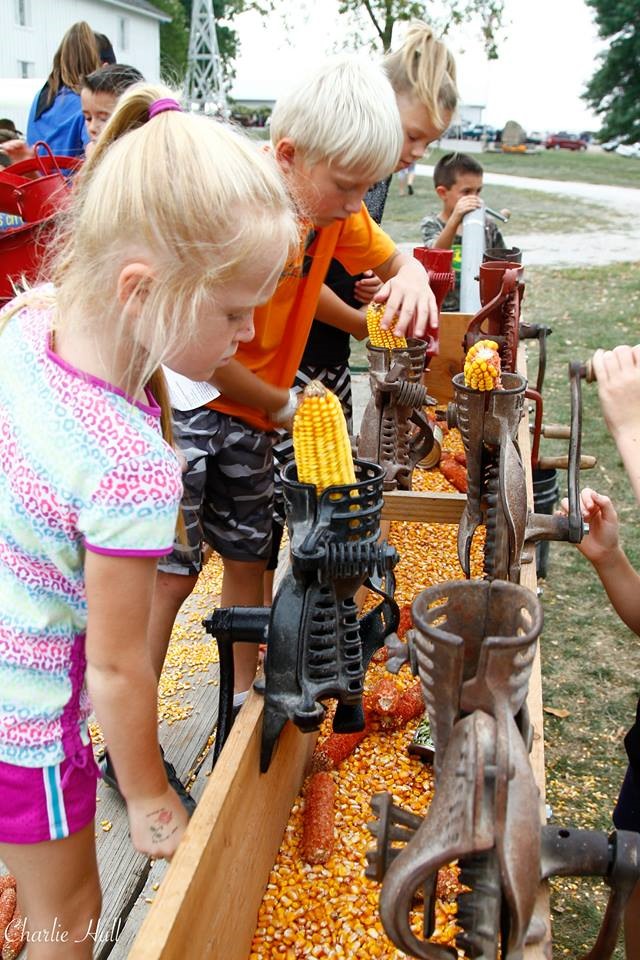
column 497, row 495
column 395, row 432
column 501, row 293
column 473, row 646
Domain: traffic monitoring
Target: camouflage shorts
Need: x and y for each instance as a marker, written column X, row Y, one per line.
column 228, row 489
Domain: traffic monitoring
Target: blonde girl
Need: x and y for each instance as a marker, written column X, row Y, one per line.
column 178, row 229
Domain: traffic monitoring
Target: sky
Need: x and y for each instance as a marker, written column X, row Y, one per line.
column 547, row 53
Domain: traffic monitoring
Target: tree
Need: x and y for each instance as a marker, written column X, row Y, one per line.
column 384, row 14
column 614, row 89
column 174, row 41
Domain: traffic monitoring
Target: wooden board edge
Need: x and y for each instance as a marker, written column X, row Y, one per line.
column 422, row 507
column 216, row 875
column 528, row 578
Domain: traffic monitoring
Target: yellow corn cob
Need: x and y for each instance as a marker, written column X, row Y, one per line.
column 482, row 366
column 378, row 336
column 321, row 440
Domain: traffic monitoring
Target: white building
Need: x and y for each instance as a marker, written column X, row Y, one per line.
column 33, row 29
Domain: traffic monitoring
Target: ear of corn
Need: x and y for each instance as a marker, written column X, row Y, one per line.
column 377, row 336
column 482, row 366
column 321, row 440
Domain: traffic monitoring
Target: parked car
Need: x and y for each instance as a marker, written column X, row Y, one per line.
column 628, row 150
column 536, row 137
column 480, row 131
column 611, row 145
column 565, row 141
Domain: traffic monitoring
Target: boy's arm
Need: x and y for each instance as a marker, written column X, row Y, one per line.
column 618, row 376
column 407, row 293
column 243, row 386
column 334, row 311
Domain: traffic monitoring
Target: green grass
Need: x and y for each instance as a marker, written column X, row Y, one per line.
column 531, row 211
column 590, row 167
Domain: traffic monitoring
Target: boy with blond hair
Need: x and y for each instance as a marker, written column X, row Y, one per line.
column 332, row 136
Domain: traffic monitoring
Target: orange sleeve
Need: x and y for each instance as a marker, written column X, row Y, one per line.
column 362, row 244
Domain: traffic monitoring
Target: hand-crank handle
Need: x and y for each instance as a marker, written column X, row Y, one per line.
column 228, row 625
column 587, row 462
column 584, row 370
column 576, row 524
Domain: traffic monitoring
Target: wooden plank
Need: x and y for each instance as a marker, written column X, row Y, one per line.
column 129, row 926
column 208, row 904
column 414, row 505
column 542, row 950
column 450, row 360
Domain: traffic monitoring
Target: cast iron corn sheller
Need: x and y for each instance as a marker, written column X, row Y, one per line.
column 497, row 495
column 394, row 431
column 317, row 646
column 501, row 292
column 473, row 646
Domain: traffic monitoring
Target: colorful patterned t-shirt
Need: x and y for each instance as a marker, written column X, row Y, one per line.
column 84, row 467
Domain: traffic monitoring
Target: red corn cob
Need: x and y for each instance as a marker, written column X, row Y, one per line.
column 383, row 699
column 405, row 620
column 455, row 473
column 15, row 937
column 381, row 655
column 336, row 748
column 411, row 704
column 318, row 818
column 7, row 910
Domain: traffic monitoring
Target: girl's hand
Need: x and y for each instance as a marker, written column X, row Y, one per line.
column 603, row 538
column 366, row 288
column 157, row 824
column 409, row 295
column 618, row 376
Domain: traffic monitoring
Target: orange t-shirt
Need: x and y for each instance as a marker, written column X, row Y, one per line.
column 282, row 325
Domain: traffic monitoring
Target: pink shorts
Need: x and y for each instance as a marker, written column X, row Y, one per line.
column 47, row 803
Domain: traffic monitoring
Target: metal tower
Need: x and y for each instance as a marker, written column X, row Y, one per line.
column 204, row 83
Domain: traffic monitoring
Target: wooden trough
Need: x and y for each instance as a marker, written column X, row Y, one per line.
column 207, row 904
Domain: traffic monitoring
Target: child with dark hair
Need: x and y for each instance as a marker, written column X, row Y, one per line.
column 457, row 178
column 100, row 93
column 56, row 115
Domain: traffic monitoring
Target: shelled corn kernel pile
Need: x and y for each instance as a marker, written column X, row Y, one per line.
column 331, row 909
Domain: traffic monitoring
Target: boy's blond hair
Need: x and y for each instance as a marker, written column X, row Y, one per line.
column 424, row 68
column 344, row 114
column 190, row 195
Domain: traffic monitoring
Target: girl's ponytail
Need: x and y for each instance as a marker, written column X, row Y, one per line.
column 131, row 112
column 425, row 69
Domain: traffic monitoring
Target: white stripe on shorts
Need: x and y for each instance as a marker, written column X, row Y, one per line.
column 58, row 827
